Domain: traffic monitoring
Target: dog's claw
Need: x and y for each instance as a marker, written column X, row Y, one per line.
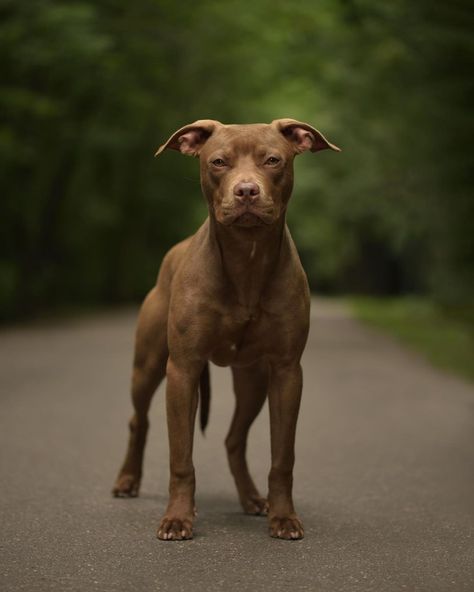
column 175, row 530
column 127, row 485
column 255, row 506
column 286, row 528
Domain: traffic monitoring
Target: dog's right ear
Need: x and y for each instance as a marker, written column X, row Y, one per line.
column 191, row 138
column 303, row 136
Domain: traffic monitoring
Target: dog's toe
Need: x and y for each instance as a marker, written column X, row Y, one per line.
column 175, row 530
column 286, row 528
column 255, row 506
column 126, row 486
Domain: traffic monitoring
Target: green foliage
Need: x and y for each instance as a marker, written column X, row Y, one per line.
column 447, row 341
column 90, row 89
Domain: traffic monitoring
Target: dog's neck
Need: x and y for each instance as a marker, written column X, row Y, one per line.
column 248, row 257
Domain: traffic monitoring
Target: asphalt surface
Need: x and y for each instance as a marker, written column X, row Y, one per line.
column 384, row 479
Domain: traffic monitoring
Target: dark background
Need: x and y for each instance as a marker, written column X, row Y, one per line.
column 90, row 89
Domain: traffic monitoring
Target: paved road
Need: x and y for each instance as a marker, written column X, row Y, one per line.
column 384, row 477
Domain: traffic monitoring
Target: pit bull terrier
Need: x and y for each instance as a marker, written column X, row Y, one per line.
column 235, row 294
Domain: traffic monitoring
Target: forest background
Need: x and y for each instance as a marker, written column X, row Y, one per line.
column 88, row 91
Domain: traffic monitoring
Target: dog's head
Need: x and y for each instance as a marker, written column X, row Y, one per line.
column 247, row 170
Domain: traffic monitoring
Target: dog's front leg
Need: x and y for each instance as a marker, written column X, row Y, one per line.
column 284, row 400
column 181, row 404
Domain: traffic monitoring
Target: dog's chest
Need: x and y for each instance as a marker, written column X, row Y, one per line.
column 239, row 340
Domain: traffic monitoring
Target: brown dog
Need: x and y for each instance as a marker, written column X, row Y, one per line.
column 234, row 294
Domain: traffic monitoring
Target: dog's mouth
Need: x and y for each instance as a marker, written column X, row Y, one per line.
column 248, row 219
column 247, row 216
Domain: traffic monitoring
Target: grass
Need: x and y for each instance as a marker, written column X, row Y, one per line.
column 444, row 338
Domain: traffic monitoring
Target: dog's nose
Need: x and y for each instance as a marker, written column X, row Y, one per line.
column 246, row 192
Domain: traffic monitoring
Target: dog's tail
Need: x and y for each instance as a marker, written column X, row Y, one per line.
column 204, row 397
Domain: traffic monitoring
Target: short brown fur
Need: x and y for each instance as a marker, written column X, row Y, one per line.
column 235, row 294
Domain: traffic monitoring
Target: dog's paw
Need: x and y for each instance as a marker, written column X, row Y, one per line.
column 173, row 529
column 255, row 505
column 127, row 485
column 286, row 528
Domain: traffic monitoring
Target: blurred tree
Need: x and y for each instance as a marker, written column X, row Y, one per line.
column 89, row 89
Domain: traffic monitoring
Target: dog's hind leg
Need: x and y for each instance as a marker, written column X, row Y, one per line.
column 149, row 368
column 250, row 386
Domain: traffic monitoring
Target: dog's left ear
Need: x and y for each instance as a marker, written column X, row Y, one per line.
column 303, row 136
column 191, row 138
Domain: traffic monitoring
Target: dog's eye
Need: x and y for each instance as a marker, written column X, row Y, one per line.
column 272, row 160
column 218, row 162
